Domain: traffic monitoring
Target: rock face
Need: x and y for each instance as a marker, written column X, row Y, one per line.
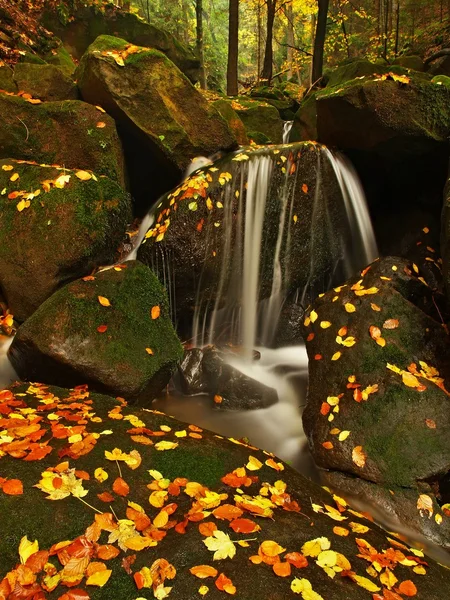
column 72, row 134
column 164, row 120
column 88, row 22
column 46, row 82
column 174, row 511
column 197, row 241
column 132, row 355
column 259, row 117
column 225, row 108
column 55, row 228
column 445, row 237
column 378, row 407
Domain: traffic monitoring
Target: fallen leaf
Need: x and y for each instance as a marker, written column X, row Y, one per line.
column 104, row 301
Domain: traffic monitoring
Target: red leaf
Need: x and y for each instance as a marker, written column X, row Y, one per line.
column 121, row 487
column 13, row 487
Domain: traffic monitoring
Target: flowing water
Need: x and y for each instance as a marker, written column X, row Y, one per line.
column 287, row 131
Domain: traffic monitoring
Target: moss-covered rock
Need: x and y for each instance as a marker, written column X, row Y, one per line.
column 46, row 82
column 85, row 23
column 164, row 120
column 198, row 236
column 135, row 355
column 7, row 79
column 441, row 80
column 71, row 133
column 389, row 115
column 358, row 69
column 415, row 63
column 59, row 57
column 259, row 116
column 178, row 484
column 378, row 407
column 54, row 228
column 225, row 109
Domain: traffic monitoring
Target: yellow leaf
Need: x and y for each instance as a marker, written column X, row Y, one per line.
column 204, row 589
column 343, row 435
column 350, row 308
column 304, row 587
column 100, row 475
column 164, row 445
column 314, row 547
column 22, row 205
column 14, row 177
column 27, row 549
column 99, row 578
column 192, row 206
column 358, row 528
column 253, row 464
column 149, row 351
column 271, row 548
column 7, row 167
column 60, row 182
column 313, row 316
column 365, row 583
column 158, row 498
column 221, row 545
column 359, row 456
column 336, row 356
column 83, row 175
column 104, row 301
column 138, row 542
column 161, row 519
column 410, row 380
column 325, row 324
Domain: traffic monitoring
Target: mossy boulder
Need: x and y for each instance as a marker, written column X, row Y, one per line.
column 415, row 63
column 155, row 510
column 7, row 83
column 54, row 228
column 259, row 116
column 358, row 69
column 441, row 80
column 59, row 57
column 70, row 133
column 197, row 239
column 388, row 116
column 225, row 109
column 164, row 120
column 46, row 82
column 134, row 357
column 378, row 408
column 305, row 120
column 87, row 22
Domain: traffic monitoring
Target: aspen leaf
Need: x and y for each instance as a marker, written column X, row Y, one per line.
column 104, row 301
column 83, row 175
column 350, row 308
column 99, row 578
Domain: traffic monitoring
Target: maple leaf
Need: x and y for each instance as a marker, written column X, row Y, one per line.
column 126, row 529
column 61, row 485
column 221, row 545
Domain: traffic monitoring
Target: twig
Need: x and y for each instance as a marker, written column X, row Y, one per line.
column 28, row 133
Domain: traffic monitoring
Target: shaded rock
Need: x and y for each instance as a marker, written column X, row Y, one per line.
column 164, row 121
column 86, row 23
column 190, row 376
column 305, row 121
column 229, row 387
column 362, row 68
column 259, row 116
column 201, row 468
column 225, row 109
column 64, row 133
column 7, row 79
column 415, row 63
column 46, row 82
column 445, row 237
column 271, row 93
column 134, row 357
column 60, row 58
column 379, row 410
column 54, row 230
column 197, row 240
column 388, row 117
column 441, row 80
column 441, row 66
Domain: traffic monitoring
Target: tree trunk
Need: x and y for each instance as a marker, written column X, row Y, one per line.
column 233, row 43
column 319, row 41
column 268, row 51
column 258, row 71
column 289, row 11
column 397, row 28
column 199, row 41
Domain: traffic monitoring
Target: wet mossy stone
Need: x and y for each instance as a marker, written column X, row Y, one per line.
column 164, row 120
column 69, row 133
column 388, row 117
column 134, row 357
column 259, row 115
column 46, row 82
column 358, row 69
column 385, row 396
column 50, row 235
column 190, row 478
column 88, row 22
column 199, row 221
column 224, row 107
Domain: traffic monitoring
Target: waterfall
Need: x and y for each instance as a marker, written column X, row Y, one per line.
column 287, row 131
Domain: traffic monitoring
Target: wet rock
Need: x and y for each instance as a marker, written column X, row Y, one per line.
column 259, row 116
column 378, row 405
column 198, row 231
column 46, row 82
column 57, row 226
column 190, row 376
column 164, row 120
column 86, row 23
column 71, row 133
column 445, row 238
column 104, row 331
column 229, row 387
column 197, row 473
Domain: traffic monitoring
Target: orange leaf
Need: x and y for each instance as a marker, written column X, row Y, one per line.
column 282, row 569
column 244, row 526
column 228, row 512
column 107, row 552
column 207, row 529
column 121, row 487
column 390, row 324
column 296, row 559
column 359, row 456
column 102, row 328
column 203, row 571
column 224, row 584
column 104, row 301
column 13, row 487
column 407, row 588
column 156, row 311
column 375, row 332
column 105, row 497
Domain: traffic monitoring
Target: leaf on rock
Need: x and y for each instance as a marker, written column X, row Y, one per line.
column 221, row 545
column 203, row 571
column 104, row 301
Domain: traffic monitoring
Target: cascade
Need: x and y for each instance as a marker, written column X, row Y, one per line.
column 287, row 131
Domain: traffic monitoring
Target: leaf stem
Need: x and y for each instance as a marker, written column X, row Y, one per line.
column 90, row 505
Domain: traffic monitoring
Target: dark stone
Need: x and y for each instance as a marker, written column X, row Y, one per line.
column 190, row 374
column 134, row 358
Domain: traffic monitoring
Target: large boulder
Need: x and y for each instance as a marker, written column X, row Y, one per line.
column 225, row 109
column 111, row 330
column 445, row 237
column 56, row 225
column 71, row 133
column 378, row 406
column 85, row 23
column 259, row 117
column 46, row 82
column 197, row 240
column 102, row 500
column 164, row 120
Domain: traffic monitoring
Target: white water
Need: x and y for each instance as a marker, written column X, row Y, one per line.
column 7, row 373
column 287, row 131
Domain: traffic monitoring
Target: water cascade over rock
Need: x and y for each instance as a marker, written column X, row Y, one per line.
column 262, row 228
